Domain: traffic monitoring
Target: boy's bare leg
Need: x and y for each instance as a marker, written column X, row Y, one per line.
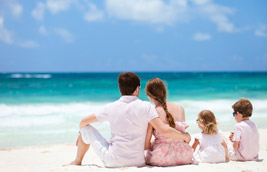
column 82, row 149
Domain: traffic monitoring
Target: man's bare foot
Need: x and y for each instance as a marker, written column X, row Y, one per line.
column 73, row 163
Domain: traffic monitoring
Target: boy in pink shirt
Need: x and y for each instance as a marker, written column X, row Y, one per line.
column 245, row 137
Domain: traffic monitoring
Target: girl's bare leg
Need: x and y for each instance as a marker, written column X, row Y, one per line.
column 82, row 149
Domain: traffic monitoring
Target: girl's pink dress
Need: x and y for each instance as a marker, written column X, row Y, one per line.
column 168, row 152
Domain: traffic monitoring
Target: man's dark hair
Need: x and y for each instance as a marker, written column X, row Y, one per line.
column 128, row 82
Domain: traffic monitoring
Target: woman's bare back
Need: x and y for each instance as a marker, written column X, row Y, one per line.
column 175, row 110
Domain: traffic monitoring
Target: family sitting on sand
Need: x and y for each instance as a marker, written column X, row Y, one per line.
column 133, row 122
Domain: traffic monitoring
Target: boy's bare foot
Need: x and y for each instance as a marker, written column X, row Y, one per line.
column 72, row 163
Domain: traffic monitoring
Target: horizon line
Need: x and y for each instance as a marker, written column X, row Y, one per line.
column 219, row 71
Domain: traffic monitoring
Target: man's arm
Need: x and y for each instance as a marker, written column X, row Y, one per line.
column 88, row 120
column 169, row 132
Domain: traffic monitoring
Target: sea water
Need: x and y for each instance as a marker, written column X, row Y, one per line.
column 46, row 108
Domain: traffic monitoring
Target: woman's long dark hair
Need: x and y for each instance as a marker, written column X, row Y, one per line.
column 156, row 90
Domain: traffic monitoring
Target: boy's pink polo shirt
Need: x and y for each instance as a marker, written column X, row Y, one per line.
column 247, row 134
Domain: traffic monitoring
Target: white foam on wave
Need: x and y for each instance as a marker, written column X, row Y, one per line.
column 49, row 121
column 26, row 115
column 49, row 109
column 47, row 131
column 31, row 122
column 221, row 108
column 41, row 76
column 192, row 108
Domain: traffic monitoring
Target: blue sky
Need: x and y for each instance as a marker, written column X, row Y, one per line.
column 133, row 35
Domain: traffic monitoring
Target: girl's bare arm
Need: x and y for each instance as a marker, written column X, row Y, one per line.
column 194, row 146
column 226, row 150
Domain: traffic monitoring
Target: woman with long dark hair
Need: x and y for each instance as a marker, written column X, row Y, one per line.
column 164, row 151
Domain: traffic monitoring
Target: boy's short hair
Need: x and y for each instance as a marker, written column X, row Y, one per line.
column 128, row 82
column 244, row 107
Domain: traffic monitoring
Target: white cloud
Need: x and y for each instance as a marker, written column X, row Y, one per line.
column 201, row 2
column 156, row 12
column 8, row 38
column 28, row 44
column 261, row 31
column 16, row 9
column 38, row 12
column 222, row 21
column 54, row 6
column 5, row 35
column 162, row 12
column 65, row 34
column 216, row 13
column 43, row 30
column 201, row 37
column 151, row 11
column 93, row 14
column 11, row 7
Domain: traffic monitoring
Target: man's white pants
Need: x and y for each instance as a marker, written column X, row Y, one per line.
column 100, row 145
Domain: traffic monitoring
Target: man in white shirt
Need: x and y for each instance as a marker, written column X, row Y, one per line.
column 128, row 118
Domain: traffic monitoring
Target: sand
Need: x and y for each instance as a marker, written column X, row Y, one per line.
column 51, row 158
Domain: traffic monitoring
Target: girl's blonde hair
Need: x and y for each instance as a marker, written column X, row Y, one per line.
column 156, row 89
column 208, row 121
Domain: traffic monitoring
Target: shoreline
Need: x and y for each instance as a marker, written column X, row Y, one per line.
column 52, row 157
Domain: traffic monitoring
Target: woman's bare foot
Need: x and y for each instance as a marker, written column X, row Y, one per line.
column 73, row 163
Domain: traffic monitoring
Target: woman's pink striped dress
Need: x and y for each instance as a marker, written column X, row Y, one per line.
column 169, row 152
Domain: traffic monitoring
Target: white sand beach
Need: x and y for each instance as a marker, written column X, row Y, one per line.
column 52, row 157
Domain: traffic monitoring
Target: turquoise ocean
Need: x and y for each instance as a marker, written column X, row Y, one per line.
column 46, row 108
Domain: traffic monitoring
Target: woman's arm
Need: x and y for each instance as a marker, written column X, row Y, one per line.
column 194, row 146
column 148, row 136
column 226, row 150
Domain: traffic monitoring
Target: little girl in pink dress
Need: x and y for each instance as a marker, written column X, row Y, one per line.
column 165, row 151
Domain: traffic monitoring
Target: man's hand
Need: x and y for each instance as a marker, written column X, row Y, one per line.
column 169, row 132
